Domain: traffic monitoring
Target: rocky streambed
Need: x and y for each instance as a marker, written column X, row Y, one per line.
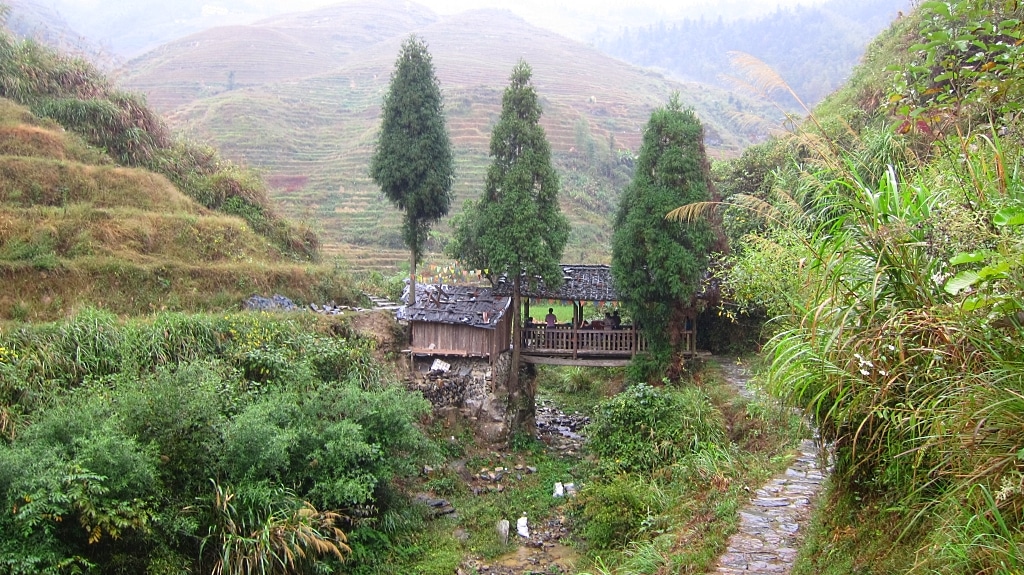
column 544, row 550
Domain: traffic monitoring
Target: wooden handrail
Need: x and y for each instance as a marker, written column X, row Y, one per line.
column 574, row 341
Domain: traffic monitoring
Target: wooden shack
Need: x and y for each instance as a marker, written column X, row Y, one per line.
column 457, row 320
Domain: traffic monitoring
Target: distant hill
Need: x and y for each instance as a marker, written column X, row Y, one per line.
column 814, row 48
column 299, row 97
column 286, row 48
column 43, row 23
column 100, row 205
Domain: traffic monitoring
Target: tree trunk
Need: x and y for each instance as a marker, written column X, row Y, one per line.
column 520, row 396
column 412, row 278
column 676, row 329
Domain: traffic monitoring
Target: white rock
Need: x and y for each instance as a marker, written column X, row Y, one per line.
column 522, row 528
column 503, row 526
column 559, row 490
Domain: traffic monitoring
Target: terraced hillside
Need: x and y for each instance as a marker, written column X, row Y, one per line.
column 76, row 229
column 312, row 132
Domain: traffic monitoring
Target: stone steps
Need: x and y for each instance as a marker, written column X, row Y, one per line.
column 382, row 303
column 771, row 524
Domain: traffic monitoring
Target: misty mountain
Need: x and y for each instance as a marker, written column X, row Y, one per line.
column 812, row 48
column 45, row 24
column 299, row 97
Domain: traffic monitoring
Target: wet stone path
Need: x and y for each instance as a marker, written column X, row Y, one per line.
column 771, row 524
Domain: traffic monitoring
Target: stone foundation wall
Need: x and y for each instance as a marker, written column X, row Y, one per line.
column 472, row 387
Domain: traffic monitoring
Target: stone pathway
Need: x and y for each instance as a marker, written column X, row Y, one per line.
column 770, row 530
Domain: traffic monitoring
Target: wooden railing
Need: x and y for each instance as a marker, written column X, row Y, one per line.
column 565, row 340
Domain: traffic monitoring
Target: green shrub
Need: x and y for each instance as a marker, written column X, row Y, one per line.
column 644, row 428
column 614, row 511
column 257, row 441
column 149, row 411
column 575, row 380
column 178, row 410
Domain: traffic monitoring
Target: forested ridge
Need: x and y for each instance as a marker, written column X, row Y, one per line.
column 814, row 48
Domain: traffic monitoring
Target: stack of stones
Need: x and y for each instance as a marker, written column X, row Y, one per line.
column 442, row 389
column 278, row 302
column 275, row 303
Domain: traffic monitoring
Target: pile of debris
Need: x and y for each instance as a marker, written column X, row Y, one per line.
column 275, row 303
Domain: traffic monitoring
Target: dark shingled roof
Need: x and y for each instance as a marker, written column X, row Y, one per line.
column 582, row 282
column 461, row 305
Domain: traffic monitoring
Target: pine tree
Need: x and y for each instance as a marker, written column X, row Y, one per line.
column 517, row 228
column 658, row 264
column 412, row 161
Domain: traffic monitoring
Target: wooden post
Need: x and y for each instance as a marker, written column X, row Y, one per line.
column 575, row 328
column 693, row 335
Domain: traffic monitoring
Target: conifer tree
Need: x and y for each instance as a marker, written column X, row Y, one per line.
column 658, row 264
column 412, row 161
column 517, row 228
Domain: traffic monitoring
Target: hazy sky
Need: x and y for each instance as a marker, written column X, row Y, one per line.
column 675, row 7
column 628, row 13
column 579, row 19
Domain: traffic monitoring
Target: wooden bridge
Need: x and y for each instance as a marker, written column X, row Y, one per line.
column 565, row 345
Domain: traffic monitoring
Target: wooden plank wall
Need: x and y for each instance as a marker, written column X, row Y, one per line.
column 462, row 339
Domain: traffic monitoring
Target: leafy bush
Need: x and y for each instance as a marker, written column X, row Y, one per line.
column 104, row 470
column 645, row 428
column 614, row 511
column 177, row 410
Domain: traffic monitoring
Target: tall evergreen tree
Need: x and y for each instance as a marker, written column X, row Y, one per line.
column 517, row 228
column 412, row 161
column 658, row 264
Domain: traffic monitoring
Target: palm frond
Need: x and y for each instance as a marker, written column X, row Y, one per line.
column 697, row 211
column 763, row 78
column 694, row 212
column 748, row 122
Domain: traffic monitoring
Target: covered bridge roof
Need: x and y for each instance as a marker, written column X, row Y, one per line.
column 457, row 305
column 581, row 282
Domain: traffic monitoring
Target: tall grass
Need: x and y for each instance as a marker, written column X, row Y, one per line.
column 901, row 333
column 904, row 343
